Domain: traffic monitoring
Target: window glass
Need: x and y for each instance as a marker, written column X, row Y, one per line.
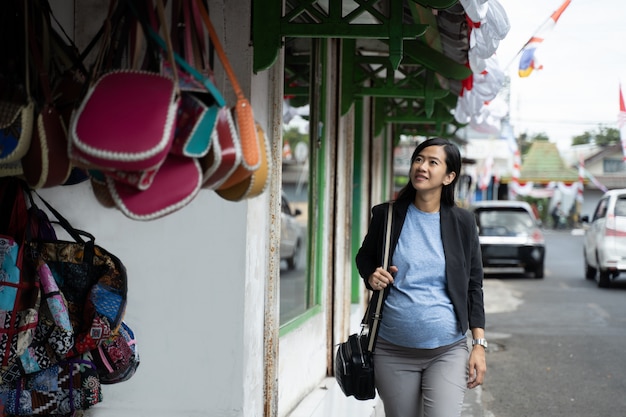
column 620, row 207
column 504, row 222
column 295, row 271
column 600, row 209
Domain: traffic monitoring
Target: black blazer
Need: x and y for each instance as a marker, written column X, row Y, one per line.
column 464, row 269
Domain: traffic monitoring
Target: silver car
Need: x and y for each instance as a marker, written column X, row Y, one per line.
column 510, row 236
column 605, row 238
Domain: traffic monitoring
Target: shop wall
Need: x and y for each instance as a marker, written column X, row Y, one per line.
column 186, row 277
column 197, row 277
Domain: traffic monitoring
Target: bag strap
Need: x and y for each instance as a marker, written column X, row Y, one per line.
column 181, row 61
column 76, row 234
column 379, row 298
column 38, row 54
column 251, row 149
column 220, row 50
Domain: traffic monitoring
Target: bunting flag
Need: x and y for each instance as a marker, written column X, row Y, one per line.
column 581, row 180
column 527, row 61
column 486, row 173
column 517, row 163
column 621, row 121
column 595, row 181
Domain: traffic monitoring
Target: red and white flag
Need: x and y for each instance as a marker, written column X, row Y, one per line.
column 621, row 121
column 581, row 180
column 528, row 61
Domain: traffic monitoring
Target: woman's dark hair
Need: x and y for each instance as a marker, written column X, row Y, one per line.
column 453, row 164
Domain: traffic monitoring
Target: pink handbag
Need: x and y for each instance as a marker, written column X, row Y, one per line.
column 176, row 183
column 125, row 122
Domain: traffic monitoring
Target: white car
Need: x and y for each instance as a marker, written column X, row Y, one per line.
column 605, row 238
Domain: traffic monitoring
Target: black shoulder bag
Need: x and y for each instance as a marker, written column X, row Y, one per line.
column 354, row 365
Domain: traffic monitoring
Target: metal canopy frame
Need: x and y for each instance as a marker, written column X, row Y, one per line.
column 382, row 57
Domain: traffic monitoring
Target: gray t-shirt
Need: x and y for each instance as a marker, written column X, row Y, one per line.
column 418, row 312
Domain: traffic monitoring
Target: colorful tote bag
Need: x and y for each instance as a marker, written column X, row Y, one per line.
column 62, row 389
column 19, row 288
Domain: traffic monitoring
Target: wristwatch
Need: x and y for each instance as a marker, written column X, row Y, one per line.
column 482, row 342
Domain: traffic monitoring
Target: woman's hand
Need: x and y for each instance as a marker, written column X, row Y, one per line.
column 477, row 367
column 380, row 279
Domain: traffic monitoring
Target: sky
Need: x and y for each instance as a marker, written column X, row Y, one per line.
column 584, row 61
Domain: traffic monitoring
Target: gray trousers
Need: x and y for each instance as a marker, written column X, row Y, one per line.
column 421, row 382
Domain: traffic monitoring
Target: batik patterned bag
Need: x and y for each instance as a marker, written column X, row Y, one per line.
column 19, row 288
column 62, row 389
column 117, row 357
column 93, row 281
column 54, row 336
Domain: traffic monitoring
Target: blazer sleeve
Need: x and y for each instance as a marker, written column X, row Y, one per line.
column 476, row 304
column 369, row 257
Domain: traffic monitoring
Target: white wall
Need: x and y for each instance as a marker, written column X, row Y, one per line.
column 186, row 278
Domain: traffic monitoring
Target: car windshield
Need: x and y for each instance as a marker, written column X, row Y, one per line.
column 503, row 222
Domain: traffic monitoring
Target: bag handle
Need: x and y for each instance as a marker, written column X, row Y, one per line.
column 39, row 55
column 181, row 61
column 378, row 295
column 219, row 50
column 76, row 234
column 247, row 130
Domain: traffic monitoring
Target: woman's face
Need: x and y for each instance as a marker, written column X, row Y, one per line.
column 428, row 170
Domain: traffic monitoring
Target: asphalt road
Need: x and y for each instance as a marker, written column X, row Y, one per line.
column 557, row 345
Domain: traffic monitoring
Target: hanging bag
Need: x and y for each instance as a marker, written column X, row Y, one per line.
column 354, row 361
column 92, row 280
column 117, row 358
column 126, row 123
column 16, row 104
column 225, row 153
column 174, row 186
column 46, row 164
column 19, row 289
column 243, row 114
column 197, row 115
column 178, row 179
column 256, row 183
column 60, row 390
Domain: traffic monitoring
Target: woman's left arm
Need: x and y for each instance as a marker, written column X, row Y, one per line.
column 477, row 360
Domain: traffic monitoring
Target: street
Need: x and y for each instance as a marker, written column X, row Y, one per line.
column 556, row 344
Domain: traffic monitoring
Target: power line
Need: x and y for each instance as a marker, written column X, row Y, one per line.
column 564, row 122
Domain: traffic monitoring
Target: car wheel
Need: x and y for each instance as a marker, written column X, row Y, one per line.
column 590, row 271
column 292, row 262
column 539, row 271
column 605, row 279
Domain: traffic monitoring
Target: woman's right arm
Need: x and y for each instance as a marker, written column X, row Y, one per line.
column 368, row 256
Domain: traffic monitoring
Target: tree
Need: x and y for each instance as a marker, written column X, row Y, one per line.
column 583, row 139
column 525, row 141
column 607, row 136
column 602, row 136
